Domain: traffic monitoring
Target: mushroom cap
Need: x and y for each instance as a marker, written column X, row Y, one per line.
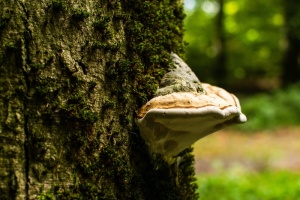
column 171, row 123
column 179, row 79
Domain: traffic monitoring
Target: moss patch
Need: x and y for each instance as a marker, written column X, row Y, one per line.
column 82, row 91
column 155, row 29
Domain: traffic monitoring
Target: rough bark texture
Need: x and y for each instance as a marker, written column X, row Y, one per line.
column 73, row 74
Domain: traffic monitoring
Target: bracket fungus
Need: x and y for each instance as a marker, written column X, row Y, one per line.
column 184, row 110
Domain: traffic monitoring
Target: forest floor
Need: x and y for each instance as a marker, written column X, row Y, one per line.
column 268, row 150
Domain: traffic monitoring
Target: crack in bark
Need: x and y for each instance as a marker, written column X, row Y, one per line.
column 25, row 59
column 83, row 67
column 26, row 130
column 26, row 151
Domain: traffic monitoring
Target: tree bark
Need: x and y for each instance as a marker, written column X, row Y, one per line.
column 73, row 75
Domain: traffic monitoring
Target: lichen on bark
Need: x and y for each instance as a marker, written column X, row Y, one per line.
column 73, row 74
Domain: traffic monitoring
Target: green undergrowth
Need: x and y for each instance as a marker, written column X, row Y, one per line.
column 272, row 110
column 281, row 185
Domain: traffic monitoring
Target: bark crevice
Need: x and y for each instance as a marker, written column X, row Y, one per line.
column 26, row 129
column 26, row 152
column 25, row 59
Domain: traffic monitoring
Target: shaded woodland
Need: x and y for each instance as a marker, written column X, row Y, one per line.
column 244, row 45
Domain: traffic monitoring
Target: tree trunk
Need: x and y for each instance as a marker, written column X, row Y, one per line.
column 219, row 70
column 291, row 61
column 73, row 75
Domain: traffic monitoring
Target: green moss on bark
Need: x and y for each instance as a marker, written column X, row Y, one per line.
column 154, row 30
column 86, row 68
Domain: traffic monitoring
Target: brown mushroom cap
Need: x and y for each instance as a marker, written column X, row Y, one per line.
column 213, row 96
column 173, row 122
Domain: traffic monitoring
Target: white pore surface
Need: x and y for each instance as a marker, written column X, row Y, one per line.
column 170, row 131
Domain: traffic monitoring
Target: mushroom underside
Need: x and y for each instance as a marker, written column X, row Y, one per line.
column 170, row 131
column 184, row 110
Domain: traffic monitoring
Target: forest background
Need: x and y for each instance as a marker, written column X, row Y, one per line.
column 250, row 48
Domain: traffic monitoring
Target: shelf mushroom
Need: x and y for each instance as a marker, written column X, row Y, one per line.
column 172, row 122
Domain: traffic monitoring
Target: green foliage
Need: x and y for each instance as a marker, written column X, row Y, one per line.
column 253, row 34
column 279, row 108
column 280, row 185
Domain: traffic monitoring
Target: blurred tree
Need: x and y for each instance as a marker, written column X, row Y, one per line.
column 291, row 61
column 199, row 52
column 219, row 70
column 252, row 32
